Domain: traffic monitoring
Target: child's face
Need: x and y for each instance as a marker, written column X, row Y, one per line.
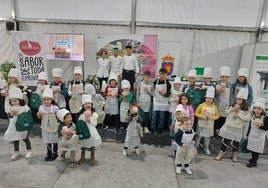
column 42, row 82
column 11, row 80
column 209, row 100
column 184, row 100
column 191, row 79
column 224, row 79
column 179, row 115
column 57, row 79
column 47, row 101
column 257, row 110
column 241, row 79
column 239, row 101
column 146, row 78
column 77, row 77
column 177, row 86
column 68, row 119
column 112, row 82
column 162, row 76
column 126, row 89
column 207, row 79
column 87, row 106
column 129, row 51
column 187, row 125
column 15, row 102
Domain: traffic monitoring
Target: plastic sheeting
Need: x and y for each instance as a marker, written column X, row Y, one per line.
column 6, row 44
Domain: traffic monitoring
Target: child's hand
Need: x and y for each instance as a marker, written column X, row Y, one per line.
column 172, row 126
column 88, row 115
column 146, row 89
column 14, row 110
column 56, row 90
column 257, row 122
column 39, row 114
column 81, row 92
column 4, row 94
column 184, row 145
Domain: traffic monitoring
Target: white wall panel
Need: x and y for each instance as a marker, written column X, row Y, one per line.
column 5, row 9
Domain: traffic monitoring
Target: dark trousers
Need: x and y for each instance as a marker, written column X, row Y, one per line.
column 102, row 79
column 52, row 151
column 225, row 144
column 112, row 120
column 146, row 121
column 255, row 157
column 27, row 142
column 219, row 123
column 130, row 76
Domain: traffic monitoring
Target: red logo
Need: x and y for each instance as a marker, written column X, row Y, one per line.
column 30, row 47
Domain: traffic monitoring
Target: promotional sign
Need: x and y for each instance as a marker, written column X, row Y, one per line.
column 143, row 46
column 259, row 78
column 29, row 56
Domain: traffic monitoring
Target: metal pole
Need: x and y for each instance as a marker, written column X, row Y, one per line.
column 133, row 17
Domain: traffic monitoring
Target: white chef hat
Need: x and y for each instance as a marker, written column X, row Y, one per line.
column 57, row 72
column 48, row 92
column 210, row 92
column 86, row 98
column 13, row 72
column 192, row 73
column 89, row 88
column 78, row 70
column 62, row 113
column 113, row 76
column 225, row 71
column 260, row 102
column 207, row 72
column 179, row 108
column 177, row 80
column 243, row 72
column 15, row 93
column 243, row 93
column 42, row 76
column 125, row 84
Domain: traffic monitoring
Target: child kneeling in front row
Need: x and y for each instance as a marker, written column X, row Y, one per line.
column 183, row 137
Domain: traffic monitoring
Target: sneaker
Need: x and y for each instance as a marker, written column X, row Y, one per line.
column 137, row 151
column 48, row 158
column 28, row 154
column 15, row 155
column 146, row 130
column 207, row 152
column 124, row 152
column 178, row 170
column 188, row 171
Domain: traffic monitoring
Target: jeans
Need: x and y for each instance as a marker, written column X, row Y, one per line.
column 158, row 120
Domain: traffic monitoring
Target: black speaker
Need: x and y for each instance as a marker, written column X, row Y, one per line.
column 11, row 25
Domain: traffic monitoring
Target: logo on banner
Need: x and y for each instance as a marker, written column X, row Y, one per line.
column 168, row 64
column 29, row 47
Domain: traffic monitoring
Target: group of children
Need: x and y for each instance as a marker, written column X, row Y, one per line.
column 203, row 109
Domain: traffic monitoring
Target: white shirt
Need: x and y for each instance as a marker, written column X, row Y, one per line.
column 130, row 63
column 116, row 63
column 103, row 68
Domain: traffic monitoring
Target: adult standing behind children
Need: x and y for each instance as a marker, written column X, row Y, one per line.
column 130, row 67
column 162, row 89
column 116, row 62
column 103, row 68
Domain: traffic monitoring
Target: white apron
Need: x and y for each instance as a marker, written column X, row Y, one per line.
column 186, row 138
column 222, row 100
column 63, row 141
column 145, row 98
column 7, row 105
column 205, row 128
column 124, row 107
column 173, row 104
column 160, row 102
column 76, row 89
column 59, row 98
column 95, row 138
column 111, row 103
column 133, row 138
column 12, row 134
column 256, row 139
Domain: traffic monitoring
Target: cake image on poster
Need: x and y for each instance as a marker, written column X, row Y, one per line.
column 62, row 46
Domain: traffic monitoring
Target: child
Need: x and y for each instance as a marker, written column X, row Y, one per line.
column 89, row 115
column 59, row 89
column 242, row 82
column 13, row 81
column 174, row 98
column 207, row 77
column 49, row 124
column 183, row 137
column 111, row 108
column 133, row 137
column 42, row 83
column 75, row 91
column 162, row 89
column 231, row 132
column 179, row 114
column 144, row 98
column 125, row 99
column 68, row 132
column 98, row 102
column 223, row 97
column 206, row 113
column 188, row 109
column 17, row 106
column 257, row 132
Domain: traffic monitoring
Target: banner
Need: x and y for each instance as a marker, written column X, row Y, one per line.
column 143, row 46
column 259, row 78
column 29, row 56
